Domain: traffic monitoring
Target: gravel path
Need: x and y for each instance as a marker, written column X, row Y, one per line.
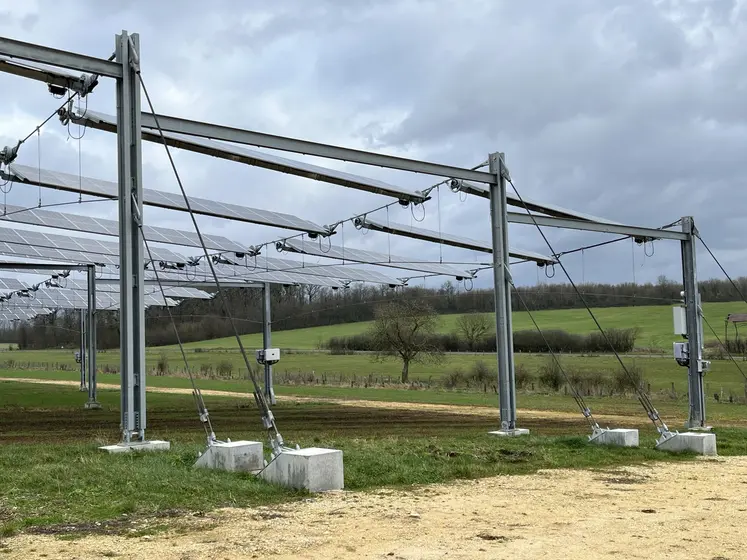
column 673, row 511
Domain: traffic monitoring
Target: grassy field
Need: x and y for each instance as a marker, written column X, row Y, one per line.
column 654, row 322
column 54, row 480
column 51, row 473
column 314, row 368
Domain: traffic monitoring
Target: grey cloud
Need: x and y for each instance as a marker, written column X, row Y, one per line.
column 631, row 110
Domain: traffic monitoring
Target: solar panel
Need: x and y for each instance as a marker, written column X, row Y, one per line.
column 18, row 312
column 71, row 299
column 513, row 200
column 57, row 255
column 11, row 285
column 106, row 287
column 447, row 239
column 88, row 224
column 343, row 272
column 161, row 199
column 250, row 265
column 255, row 158
column 231, row 273
column 38, row 239
column 370, row 257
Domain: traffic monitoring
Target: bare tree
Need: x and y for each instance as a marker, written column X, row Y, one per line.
column 311, row 291
column 473, row 327
column 404, row 329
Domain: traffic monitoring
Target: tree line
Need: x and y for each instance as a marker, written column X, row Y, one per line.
column 296, row 307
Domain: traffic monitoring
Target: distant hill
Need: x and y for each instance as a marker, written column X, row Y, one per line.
column 302, row 307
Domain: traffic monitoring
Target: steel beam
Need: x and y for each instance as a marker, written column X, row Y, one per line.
column 51, row 76
column 501, row 279
column 42, row 266
column 91, row 336
column 621, row 229
column 306, row 147
column 60, row 58
column 446, row 239
column 267, row 340
column 695, row 370
column 132, row 308
column 82, row 354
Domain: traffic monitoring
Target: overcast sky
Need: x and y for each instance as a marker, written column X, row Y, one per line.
column 633, row 110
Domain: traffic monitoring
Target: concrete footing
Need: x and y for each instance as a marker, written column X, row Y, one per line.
column 152, row 445
column 510, row 433
column 233, row 456
column 620, row 437
column 702, row 443
column 314, row 469
column 92, row 405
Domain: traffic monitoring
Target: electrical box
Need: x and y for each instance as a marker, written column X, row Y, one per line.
column 680, row 320
column 268, row 356
column 682, row 353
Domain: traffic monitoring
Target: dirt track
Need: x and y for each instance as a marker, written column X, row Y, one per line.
column 674, row 511
column 455, row 409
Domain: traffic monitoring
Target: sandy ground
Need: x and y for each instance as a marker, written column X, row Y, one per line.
column 674, row 511
column 485, row 411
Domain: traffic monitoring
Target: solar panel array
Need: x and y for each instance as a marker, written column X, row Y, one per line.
column 88, row 224
column 256, row 158
column 447, row 239
column 364, row 256
column 161, row 199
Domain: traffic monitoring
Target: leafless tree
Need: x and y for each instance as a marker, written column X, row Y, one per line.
column 404, row 329
column 473, row 327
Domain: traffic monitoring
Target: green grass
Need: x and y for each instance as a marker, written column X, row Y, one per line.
column 654, row 322
column 52, row 474
column 661, row 372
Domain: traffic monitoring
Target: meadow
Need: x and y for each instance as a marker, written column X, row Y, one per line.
column 54, row 480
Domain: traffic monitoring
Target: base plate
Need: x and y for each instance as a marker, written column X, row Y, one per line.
column 152, row 445
column 510, row 433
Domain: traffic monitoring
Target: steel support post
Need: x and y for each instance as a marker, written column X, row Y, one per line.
column 509, row 309
column 132, row 310
column 695, row 370
column 82, row 354
column 501, row 282
column 91, row 338
column 267, row 340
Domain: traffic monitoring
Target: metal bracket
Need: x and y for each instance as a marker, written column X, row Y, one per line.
column 8, row 154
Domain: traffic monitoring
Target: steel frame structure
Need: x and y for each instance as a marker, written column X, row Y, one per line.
column 124, row 70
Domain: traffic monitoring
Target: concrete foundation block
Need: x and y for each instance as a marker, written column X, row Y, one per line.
column 619, row 437
column 152, row 445
column 516, row 432
column 314, row 469
column 233, row 456
column 92, row 405
column 701, row 443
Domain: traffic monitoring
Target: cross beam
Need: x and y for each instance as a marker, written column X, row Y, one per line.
column 56, row 57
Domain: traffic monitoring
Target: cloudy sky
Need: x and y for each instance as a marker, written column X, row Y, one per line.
column 632, row 110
